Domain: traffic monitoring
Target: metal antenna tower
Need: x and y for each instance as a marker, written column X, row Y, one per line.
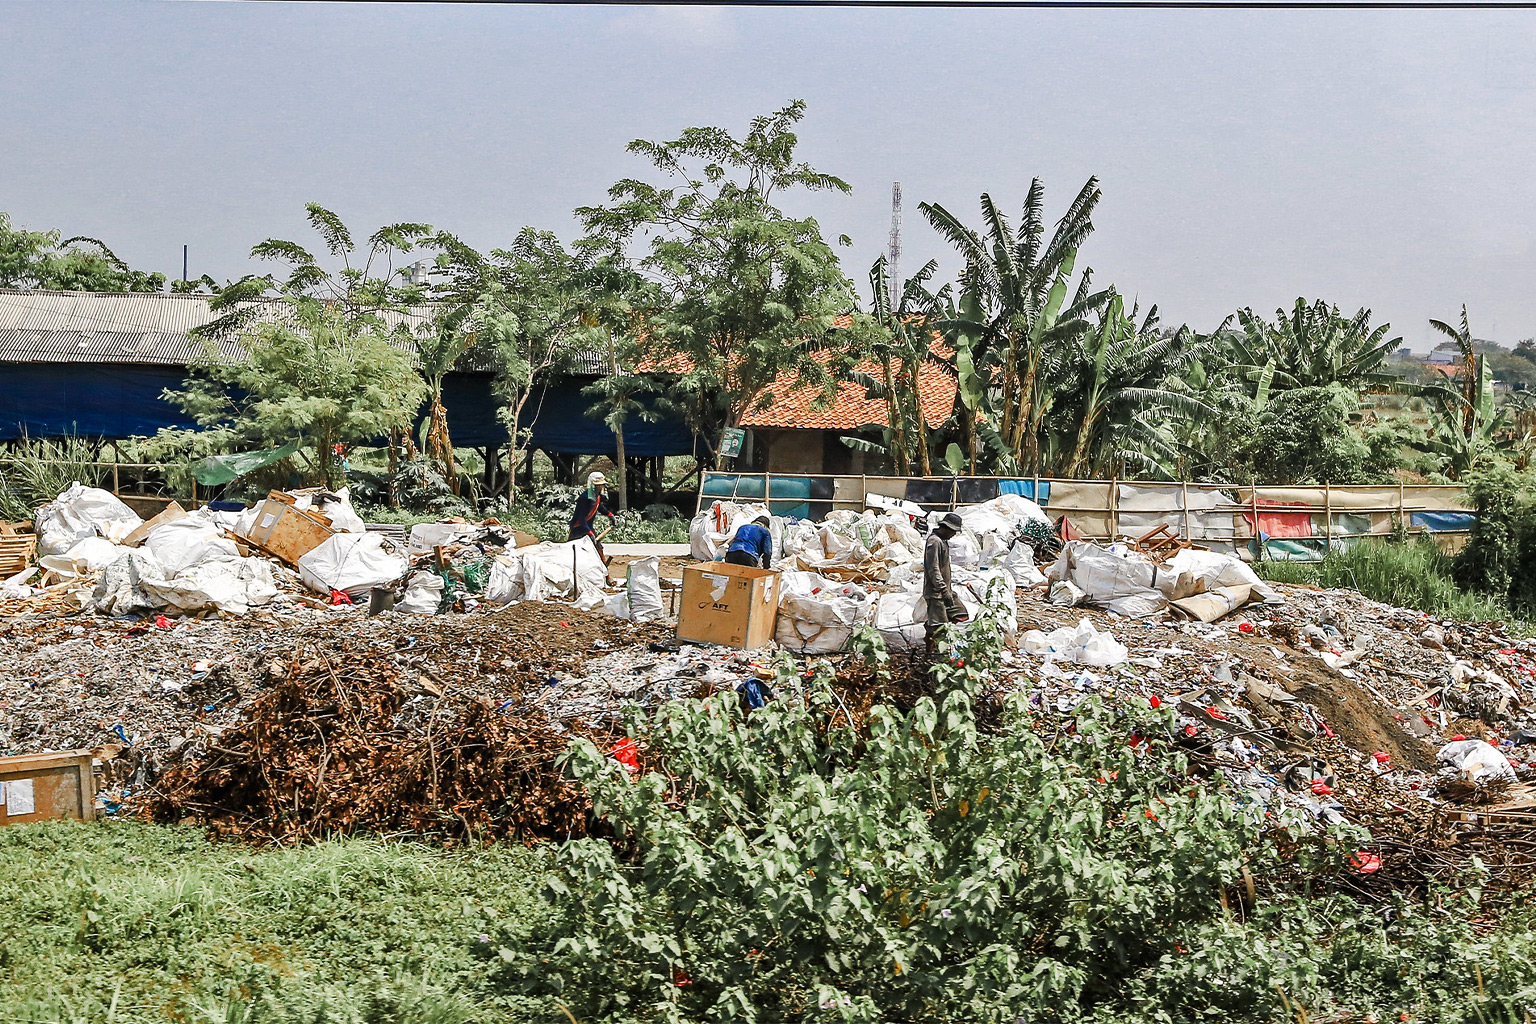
column 894, row 257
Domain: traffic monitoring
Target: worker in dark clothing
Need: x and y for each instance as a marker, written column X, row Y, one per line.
column 752, row 545
column 589, row 505
column 938, row 591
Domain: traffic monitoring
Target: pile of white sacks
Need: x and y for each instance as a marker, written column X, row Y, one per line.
column 829, row 569
column 185, row 565
column 191, row 564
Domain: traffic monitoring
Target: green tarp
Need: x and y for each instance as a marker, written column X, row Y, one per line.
column 221, row 469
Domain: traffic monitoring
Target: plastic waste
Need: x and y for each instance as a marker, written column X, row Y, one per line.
column 423, row 593
column 818, row 615
column 642, row 586
column 1478, row 761
column 1081, row 644
column 80, row 513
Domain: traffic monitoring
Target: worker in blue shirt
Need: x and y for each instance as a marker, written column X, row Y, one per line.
column 589, row 505
column 752, row 545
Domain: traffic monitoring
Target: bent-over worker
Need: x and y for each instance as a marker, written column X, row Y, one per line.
column 938, row 591
column 589, row 505
column 752, row 544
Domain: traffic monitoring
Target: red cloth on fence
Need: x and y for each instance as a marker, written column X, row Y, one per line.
column 1281, row 524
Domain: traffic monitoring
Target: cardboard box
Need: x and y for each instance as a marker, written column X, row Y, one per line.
column 170, row 512
column 286, row 532
column 36, row 787
column 733, row 605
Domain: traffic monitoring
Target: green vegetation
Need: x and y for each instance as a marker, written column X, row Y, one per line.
column 132, row 923
column 46, row 260
column 1415, row 574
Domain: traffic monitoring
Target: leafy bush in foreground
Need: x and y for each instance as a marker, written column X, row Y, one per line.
column 793, row 868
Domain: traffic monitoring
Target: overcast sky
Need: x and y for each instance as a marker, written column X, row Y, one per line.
column 1381, row 159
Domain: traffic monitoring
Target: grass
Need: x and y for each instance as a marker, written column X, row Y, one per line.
column 125, row 922
column 1410, row 575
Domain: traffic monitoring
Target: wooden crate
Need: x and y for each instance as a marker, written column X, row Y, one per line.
column 287, row 532
column 16, row 548
column 42, row 786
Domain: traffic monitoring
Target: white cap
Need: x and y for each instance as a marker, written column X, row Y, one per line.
column 593, row 479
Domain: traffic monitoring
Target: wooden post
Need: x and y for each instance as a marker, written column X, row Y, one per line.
column 954, row 493
column 768, row 492
column 1253, row 496
column 863, row 489
column 1402, row 509
column 1184, row 503
column 117, row 487
column 1327, row 520
column 1114, row 507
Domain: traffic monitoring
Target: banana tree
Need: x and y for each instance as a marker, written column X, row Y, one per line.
column 1115, row 390
column 899, row 344
column 1465, row 420
column 1012, row 313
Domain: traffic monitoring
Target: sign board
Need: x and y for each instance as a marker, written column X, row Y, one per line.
column 731, row 442
column 732, row 605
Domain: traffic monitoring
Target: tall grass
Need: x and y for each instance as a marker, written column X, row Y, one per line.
column 1414, row 575
column 38, row 469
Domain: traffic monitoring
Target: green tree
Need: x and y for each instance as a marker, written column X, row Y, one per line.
column 314, row 377
column 1465, row 419
column 40, row 260
column 523, row 306
column 1314, row 346
column 615, row 311
column 1012, row 310
column 327, row 355
column 1304, row 435
column 751, row 290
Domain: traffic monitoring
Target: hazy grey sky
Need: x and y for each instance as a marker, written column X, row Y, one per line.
column 1376, row 158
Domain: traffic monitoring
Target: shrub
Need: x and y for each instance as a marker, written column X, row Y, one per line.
column 793, row 867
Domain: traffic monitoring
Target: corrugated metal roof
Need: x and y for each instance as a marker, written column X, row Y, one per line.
column 151, row 327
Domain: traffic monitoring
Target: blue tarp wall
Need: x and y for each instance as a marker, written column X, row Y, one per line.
column 120, row 400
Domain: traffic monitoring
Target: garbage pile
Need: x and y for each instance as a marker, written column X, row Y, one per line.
column 865, row 569
column 300, row 548
column 1334, row 705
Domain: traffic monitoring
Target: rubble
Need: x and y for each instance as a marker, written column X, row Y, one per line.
column 1319, row 701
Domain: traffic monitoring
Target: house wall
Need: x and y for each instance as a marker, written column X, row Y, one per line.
column 795, row 452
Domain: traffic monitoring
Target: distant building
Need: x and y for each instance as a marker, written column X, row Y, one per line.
column 96, row 364
column 793, row 436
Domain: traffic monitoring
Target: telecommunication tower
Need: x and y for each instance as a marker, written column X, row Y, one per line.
column 893, row 259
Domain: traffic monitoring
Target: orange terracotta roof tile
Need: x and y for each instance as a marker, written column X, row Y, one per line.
column 792, row 407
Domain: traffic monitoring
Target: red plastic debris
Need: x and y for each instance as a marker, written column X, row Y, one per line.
column 680, row 978
column 1457, row 738
column 1245, row 627
column 566, row 625
column 1382, row 757
column 1149, row 814
column 1365, row 863
column 1214, row 713
column 1190, row 730
column 1155, row 701
column 161, row 622
column 1327, row 731
column 1321, row 788
column 627, row 753
column 340, row 597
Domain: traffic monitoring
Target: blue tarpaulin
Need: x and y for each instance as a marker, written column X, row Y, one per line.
column 1443, row 522
column 118, row 400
